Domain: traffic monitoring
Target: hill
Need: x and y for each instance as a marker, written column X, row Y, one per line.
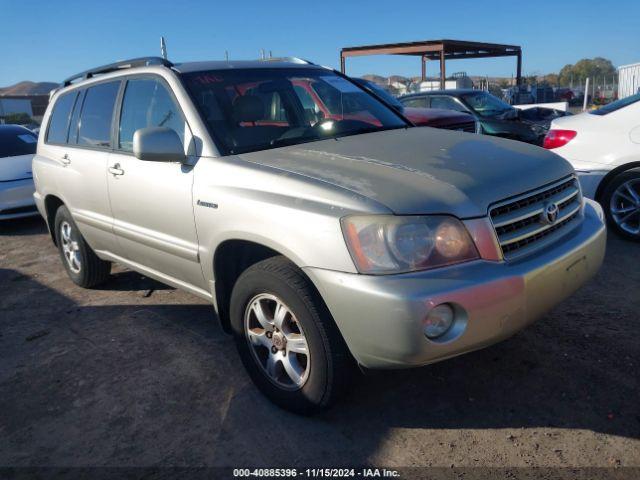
column 28, row 88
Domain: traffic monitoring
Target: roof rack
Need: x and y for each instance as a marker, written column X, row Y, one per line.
column 112, row 67
column 287, row 59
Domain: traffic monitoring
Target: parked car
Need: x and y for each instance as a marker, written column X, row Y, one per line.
column 323, row 243
column 519, row 95
column 494, row 116
column 34, row 127
column 423, row 117
column 563, row 94
column 17, row 147
column 604, row 147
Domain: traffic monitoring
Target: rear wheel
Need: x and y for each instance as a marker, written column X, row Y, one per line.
column 621, row 203
column 287, row 339
column 82, row 264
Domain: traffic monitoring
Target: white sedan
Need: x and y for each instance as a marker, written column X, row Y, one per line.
column 17, row 147
column 604, row 147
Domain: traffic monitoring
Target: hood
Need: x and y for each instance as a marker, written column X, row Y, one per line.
column 422, row 170
column 436, row 117
column 15, row 168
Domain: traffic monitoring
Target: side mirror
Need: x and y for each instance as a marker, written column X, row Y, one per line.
column 158, row 144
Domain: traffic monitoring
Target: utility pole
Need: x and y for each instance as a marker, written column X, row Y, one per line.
column 586, row 95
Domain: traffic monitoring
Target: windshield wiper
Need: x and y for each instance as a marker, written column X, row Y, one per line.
column 283, row 142
column 275, row 143
column 369, row 130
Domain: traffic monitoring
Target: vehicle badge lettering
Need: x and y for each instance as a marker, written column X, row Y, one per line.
column 206, row 204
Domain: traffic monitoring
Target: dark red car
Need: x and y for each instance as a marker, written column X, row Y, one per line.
column 429, row 117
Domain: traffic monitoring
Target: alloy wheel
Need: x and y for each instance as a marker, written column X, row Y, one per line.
column 277, row 341
column 625, row 206
column 70, row 247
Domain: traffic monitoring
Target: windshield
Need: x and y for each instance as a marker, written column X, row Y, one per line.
column 256, row 109
column 379, row 91
column 485, row 104
column 617, row 105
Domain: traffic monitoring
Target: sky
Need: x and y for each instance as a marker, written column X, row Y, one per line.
column 49, row 41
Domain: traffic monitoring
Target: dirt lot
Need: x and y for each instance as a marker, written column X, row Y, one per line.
column 137, row 373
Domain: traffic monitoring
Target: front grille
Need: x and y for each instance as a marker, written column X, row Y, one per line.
column 462, row 127
column 521, row 223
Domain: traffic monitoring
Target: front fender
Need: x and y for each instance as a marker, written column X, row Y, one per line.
column 294, row 216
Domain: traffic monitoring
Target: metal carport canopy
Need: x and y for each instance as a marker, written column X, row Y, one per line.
column 441, row 50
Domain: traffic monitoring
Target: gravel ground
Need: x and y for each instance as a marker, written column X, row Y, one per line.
column 139, row 374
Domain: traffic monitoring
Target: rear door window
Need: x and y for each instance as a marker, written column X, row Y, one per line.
column 446, row 103
column 59, row 123
column 97, row 113
column 419, row 102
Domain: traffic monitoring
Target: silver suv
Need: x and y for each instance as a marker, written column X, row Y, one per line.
column 326, row 230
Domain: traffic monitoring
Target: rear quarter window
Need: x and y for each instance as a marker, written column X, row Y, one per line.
column 59, row 123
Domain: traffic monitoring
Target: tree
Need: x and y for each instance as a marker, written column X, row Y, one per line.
column 587, row 67
column 550, row 79
column 18, row 119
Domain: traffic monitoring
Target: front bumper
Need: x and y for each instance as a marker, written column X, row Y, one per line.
column 381, row 317
column 16, row 199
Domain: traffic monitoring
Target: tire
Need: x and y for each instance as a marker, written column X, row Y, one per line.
column 616, row 195
column 82, row 264
column 324, row 372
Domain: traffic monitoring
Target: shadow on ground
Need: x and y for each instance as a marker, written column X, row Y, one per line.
column 161, row 384
column 23, row 226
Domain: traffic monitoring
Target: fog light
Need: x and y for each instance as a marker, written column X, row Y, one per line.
column 438, row 321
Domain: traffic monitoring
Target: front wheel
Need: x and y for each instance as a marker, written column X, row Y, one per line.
column 287, row 339
column 621, row 203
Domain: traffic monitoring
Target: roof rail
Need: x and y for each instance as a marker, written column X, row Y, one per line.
column 287, row 59
column 112, row 67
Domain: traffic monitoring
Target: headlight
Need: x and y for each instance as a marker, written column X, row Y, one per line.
column 392, row 244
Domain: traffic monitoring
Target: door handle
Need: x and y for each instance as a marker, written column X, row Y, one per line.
column 65, row 159
column 116, row 170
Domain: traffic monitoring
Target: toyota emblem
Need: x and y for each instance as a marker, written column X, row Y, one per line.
column 550, row 214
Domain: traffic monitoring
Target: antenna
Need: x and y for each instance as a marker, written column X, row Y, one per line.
column 163, row 48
